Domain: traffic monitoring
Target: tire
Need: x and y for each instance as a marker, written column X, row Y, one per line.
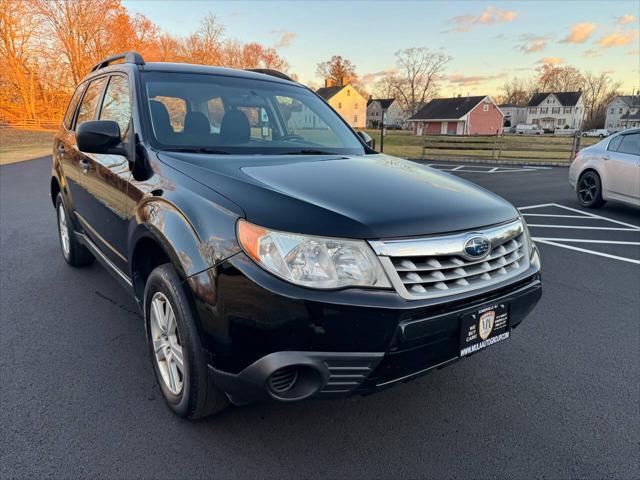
column 73, row 252
column 589, row 190
column 188, row 390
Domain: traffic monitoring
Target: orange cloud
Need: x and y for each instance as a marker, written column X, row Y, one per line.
column 618, row 38
column 489, row 15
column 460, row 79
column 286, row 38
column 551, row 60
column 625, row 19
column 580, row 32
column 532, row 43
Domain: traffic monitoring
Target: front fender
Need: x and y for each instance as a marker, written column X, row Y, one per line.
column 190, row 249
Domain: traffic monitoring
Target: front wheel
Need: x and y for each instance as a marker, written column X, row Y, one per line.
column 590, row 190
column 176, row 352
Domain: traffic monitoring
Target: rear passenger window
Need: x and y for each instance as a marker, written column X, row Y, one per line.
column 613, row 144
column 90, row 101
column 73, row 103
column 630, row 144
column 116, row 104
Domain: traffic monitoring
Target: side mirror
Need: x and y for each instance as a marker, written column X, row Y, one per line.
column 100, row 136
column 366, row 138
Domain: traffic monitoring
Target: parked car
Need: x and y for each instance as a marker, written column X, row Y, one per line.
column 276, row 262
column 608, row 170
column 523, row 129
column 596, row 132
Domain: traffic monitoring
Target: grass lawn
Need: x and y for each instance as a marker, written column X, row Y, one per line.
column 17, row 145
column 535, row 149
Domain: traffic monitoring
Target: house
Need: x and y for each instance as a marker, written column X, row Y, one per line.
column 377, row 107
column 551, row 110
column 347, row 102
column 458, row 116
column 513, row 114
column 622, row 112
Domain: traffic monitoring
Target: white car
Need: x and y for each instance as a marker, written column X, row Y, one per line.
column 608, row 170
column 596, row 132
column 523, row 129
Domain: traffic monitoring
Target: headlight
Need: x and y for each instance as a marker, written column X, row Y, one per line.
column 527, row 235
column 314, row 262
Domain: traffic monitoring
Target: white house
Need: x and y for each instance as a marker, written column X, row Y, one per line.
column 377, row 107
column 622, row 112
column 514, row 114
column 347, row 102
column 551, row 110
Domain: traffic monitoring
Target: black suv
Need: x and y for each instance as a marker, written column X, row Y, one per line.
column 273, row 253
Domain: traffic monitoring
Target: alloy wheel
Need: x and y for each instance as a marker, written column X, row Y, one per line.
column 588, row 188
column 64, row 232
column 166, row 343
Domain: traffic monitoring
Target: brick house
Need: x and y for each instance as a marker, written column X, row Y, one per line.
column 346, row 100
column 458, row 116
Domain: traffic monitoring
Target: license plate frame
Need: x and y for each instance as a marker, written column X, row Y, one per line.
column 485, row 327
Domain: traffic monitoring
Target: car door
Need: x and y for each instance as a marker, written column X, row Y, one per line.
column 106, row 177
column 622, row 164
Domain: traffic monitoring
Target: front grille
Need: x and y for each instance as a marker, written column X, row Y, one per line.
column 438, row 266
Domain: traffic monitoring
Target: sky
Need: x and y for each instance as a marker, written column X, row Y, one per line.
column 488, row 42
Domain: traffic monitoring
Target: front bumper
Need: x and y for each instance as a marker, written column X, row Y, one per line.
column 338, row 349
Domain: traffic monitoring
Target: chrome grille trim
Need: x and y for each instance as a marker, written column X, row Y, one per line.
column 432, row 267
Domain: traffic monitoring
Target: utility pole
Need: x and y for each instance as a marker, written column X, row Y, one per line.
column 382, row 133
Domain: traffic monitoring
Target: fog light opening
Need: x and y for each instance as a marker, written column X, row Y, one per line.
column 294, row 382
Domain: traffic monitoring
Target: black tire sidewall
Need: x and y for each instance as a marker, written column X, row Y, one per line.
column 597, row 200
column 164, row 279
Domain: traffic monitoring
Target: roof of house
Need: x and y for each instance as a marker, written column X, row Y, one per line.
column 630, row 100
column 447, row 108
column 507, row 105
column 384, row 102
column 567, row 99
column 328, row 92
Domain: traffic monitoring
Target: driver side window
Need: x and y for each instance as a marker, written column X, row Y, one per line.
column 116, row 105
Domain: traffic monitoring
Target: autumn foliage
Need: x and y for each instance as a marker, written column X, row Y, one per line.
column 48, row 46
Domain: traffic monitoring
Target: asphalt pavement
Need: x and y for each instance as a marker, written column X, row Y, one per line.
column 559, row 399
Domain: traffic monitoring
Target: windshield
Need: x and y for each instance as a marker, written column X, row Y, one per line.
column 219, row 114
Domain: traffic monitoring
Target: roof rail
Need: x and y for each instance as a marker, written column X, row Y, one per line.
column 128, row 57
column 271, row 72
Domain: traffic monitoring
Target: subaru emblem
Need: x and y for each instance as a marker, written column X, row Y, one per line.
column 477, row 247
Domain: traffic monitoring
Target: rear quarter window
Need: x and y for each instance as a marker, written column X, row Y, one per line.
column 630, row 144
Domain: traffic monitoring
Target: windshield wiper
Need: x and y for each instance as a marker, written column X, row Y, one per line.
column 310, row 152
column 196, row 150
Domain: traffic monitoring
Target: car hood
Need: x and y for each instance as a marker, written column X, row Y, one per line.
column 361, row 196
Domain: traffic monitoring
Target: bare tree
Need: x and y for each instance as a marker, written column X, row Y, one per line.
column 337, row 71
column 419, row 71
column 559, row 79
column 516, row 91
column 386, row 86
column 598, row 91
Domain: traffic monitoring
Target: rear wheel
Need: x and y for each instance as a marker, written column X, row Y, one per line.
column 74, row 253
column 590, row 190
column 176, row 352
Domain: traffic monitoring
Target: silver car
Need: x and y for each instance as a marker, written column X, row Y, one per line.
column 608, row 170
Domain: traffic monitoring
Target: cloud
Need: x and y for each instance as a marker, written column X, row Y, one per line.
column 372, row 77
column 551, row 60
column 580, row 32
column 618, row 38
column 489, row 15
column 592, row 52
column 530, row 43
column 462, row 80
column 286, row 38
column 625, row 19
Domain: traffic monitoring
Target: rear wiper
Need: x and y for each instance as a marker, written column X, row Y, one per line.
column 310, row 152
column 196, row 150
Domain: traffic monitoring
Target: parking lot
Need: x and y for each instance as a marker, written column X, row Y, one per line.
column 558, row 399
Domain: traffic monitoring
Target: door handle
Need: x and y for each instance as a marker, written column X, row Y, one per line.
column 606, row 157
column 84, row 166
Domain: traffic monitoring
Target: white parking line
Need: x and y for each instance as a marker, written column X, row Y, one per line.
column 566, row 242
column 478, row 168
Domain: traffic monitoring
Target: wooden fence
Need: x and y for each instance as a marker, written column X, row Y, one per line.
column 542, row 149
